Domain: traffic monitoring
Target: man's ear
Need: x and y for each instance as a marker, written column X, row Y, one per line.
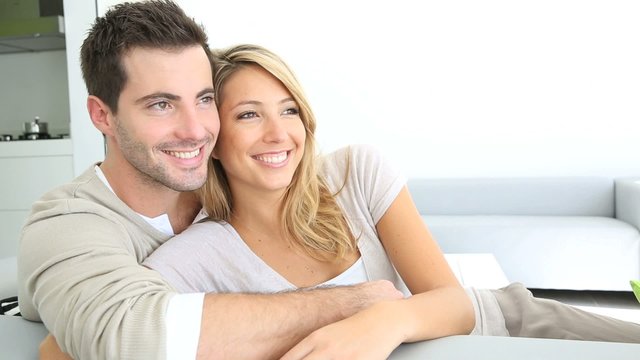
column 101, row 115
column 214, row 154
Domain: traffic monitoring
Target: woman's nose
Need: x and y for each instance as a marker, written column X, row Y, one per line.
column 275, row 130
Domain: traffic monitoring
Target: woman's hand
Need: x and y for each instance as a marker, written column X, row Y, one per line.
column 370, row 334
column 49, row 350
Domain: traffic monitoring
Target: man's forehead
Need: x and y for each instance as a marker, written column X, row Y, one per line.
column 148, row 56
column 182, row 72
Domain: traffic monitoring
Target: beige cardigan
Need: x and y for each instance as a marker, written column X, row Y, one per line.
column 79, row 272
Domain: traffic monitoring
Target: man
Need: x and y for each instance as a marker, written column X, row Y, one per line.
column 149, row 78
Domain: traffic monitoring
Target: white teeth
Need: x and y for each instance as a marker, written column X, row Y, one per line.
column 184, row 155
column 273, row 158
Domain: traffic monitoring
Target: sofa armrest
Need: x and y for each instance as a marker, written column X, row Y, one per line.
column 628, row 200
column 8, row 277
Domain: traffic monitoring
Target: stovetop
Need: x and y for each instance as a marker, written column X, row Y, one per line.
column 31, row 137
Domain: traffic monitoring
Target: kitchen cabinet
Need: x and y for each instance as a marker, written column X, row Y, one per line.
column 29, row 169
column 39, row 34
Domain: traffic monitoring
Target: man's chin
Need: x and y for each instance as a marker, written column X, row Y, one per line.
column 186, row 184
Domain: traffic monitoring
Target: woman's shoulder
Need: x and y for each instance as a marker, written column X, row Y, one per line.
column 352, row 165
column 353, row 152
column 345, row 159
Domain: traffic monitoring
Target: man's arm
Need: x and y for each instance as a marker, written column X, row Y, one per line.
column 241, row 326
column 245, row 326
column 79, row 275
column 49, row 350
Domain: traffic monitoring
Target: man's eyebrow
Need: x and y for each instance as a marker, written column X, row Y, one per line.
column 169, row 96
column 158, row 95
column 206, row 91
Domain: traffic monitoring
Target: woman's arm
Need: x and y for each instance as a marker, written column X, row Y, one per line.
column 440, row 303
column 439, row 307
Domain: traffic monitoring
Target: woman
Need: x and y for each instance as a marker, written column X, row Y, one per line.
column 285, row 219
column 264, row 184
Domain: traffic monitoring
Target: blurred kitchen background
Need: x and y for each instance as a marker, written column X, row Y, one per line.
column 39, row 98
column 33, row 69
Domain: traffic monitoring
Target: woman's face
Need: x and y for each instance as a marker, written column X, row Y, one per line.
column 262, row 137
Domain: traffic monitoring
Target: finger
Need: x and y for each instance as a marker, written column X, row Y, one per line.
column 299, row 351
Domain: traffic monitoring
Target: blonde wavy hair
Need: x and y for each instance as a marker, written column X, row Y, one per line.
column 310, row 215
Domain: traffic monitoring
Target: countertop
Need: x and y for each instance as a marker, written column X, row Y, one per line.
column 34, row 148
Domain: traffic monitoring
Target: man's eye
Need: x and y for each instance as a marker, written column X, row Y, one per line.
column 160, row 105
column 248, row 115
column 207, row 99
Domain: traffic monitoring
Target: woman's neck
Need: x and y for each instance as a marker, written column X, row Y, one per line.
column 257, row 212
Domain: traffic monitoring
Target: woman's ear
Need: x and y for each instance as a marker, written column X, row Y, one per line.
column 101, row 115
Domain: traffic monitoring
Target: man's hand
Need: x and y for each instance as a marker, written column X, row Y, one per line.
column 49, row 350
column 373, row 292
column 280, row 321
column 368, row 335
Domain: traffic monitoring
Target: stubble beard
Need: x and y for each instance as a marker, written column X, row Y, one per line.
column 156, row 173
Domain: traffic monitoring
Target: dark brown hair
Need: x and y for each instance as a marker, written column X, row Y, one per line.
column 155, row 24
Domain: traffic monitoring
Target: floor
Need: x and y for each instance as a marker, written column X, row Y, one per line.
column 618, row 304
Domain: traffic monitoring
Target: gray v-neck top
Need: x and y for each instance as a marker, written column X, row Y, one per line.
column 212, row 257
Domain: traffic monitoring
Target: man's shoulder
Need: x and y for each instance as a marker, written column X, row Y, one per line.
column 84, row 194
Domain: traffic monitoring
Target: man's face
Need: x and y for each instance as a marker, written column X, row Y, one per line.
column 167, row 121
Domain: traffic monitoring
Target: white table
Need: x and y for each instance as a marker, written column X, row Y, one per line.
column 19, row 339
column 477, row 270
column 508, row 348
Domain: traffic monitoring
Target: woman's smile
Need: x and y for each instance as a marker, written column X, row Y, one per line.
column 273, row 159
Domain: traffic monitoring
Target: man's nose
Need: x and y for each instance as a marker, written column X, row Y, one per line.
column 192, row 125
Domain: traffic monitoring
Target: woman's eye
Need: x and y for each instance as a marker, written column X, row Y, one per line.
column 248, row 115
column 291, row 111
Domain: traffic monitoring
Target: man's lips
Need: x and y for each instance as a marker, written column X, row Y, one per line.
column 183, row 154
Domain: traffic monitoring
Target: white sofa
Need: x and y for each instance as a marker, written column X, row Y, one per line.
column 578, row 233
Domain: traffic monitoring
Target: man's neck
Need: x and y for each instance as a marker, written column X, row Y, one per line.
column 151, row 199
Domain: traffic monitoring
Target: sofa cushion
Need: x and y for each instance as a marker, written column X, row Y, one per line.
column 551, row 252
column 570, row 196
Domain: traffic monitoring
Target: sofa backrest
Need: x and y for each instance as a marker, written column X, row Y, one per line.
column 568, row 196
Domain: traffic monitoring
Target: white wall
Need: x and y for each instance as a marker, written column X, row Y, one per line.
column 88, row 143
column 34, row 84
column 459, row 88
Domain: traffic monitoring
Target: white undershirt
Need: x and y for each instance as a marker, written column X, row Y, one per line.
column 184, row 311
column 356, row 273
